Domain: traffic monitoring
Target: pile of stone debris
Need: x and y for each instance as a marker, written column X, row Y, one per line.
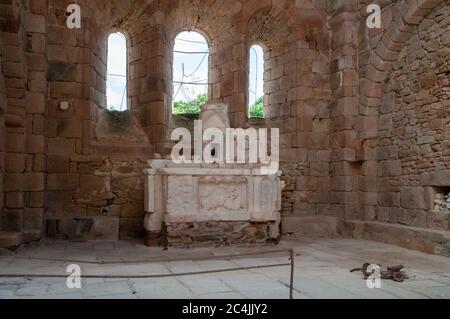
column 394, row 273
column 442, row 202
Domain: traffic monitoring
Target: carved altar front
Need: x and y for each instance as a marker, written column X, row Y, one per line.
column 212, row 203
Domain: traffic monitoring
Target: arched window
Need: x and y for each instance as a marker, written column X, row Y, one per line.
column 256, row 82
column 190, row 73
column 116, row 81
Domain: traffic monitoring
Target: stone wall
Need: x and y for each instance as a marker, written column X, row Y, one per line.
column 363, row 113
column 297, row 93
column 403, row 128
column 95, row 157
column 414, row 130
column 2, row 140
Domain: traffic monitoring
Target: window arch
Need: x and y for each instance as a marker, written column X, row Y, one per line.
column 190, row 72
column 256, row 82
column 117, row 74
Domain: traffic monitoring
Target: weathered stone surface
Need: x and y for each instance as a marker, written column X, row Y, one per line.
column 10, row 240
column 412, row 197
column 216, row 234
column 426, row 240
column 309, row 226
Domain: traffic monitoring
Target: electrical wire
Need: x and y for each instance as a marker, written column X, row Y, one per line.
column 118, row 75
column 192, row 52
column 256, row 73
column 191, row 41
column 182, row 83
column 198, row 67
column 123, row 98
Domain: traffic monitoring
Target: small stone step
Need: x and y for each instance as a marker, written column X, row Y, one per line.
column 10, row 240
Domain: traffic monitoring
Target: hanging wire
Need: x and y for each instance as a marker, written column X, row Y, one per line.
column 123, row 97
column 182, row 84
column 198, row 67
column 182, row 79
column 256, row 72
column 192, row 52
column 119, row 75
column 256, row 75
column 191, row 41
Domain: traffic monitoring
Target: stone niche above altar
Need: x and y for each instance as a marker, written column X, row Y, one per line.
column 195, row 204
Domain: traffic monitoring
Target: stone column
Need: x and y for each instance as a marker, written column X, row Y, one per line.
column 2, row 140
column 344, row 108
column 13, row 69
column 35, row 21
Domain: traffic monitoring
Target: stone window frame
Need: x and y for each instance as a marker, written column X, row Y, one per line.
column 207, row 37
column 128, row 79
column 265, row 49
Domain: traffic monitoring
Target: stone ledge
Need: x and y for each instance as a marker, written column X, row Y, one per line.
column 10, row 240
column 429, row 241
column 435, row 179
column 90, row 228
column 310, row 226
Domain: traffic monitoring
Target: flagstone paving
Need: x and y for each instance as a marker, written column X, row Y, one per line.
column 321, row 271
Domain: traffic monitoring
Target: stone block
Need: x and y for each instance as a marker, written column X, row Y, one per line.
column 320, row 169
column 62, row 182
column 34, row 23
column 438, row 220
column 342, row 183
column 33, row 218
column 15, row 143
column 131, row 228
column 389, row 199
column 64, row 146
column 35, row 144
column 39, row 163
column 14, row 200
column 309, row 226
column 441, row 178
column 15, row 163
column 36, row 199
column 34, row 182
column 91, row 228
column 58, row 164
column 390, row 168
column 35, row 103
column 12, row 220
column 69, row 128
column 132, row 210
column 10, row 240
column 90, row 182
column 412, row 197
column 13, row 183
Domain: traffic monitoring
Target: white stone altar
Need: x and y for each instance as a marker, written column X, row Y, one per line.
column 211, row 204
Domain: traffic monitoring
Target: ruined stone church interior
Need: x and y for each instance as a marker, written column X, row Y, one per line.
column 355, row 94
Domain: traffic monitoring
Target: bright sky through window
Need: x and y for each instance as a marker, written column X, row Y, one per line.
column 256, row 81
column 190, row 72
column 116, row 82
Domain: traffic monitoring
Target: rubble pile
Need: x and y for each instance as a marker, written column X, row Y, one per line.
column 442, row 202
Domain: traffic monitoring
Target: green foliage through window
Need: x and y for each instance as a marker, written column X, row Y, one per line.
column 257, row 108
column 191, row 107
